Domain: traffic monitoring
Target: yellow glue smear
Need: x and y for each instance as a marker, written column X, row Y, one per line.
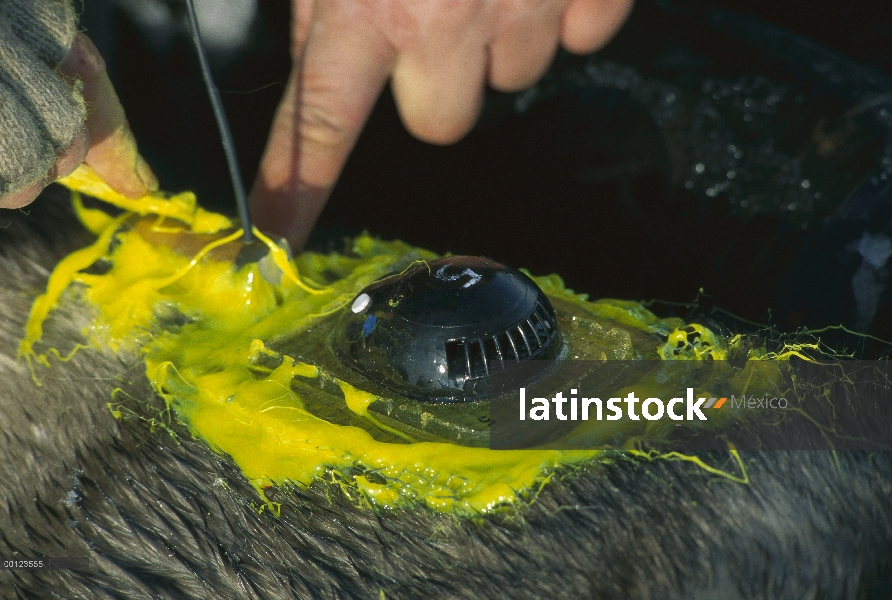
column 171, row 291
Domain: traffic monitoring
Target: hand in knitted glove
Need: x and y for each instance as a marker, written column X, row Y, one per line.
column 44, row 131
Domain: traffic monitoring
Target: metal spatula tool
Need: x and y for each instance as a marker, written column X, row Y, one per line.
column 253, row 250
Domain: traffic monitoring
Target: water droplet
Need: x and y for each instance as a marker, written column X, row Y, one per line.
column 712, row 192
column 805, row 184
column 791, row 206
column 699, row 167
column 689, row 185
column 732, row 174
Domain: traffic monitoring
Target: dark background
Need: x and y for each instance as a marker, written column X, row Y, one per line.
column 525, row 189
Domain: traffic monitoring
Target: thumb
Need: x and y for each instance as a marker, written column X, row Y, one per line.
column 112, row 154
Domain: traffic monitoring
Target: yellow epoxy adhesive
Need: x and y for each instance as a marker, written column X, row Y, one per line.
column 170, row 289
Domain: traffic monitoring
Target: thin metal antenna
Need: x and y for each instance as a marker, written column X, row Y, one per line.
column 241, row 199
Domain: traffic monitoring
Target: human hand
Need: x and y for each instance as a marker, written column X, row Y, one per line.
column 439, row 54
column 105, row 142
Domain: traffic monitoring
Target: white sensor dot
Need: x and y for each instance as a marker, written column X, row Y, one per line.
column 361, row 302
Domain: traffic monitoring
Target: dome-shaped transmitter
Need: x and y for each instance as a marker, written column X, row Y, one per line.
column 454, row 329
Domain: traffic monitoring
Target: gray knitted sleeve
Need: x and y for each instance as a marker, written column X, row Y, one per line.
column 40, row 113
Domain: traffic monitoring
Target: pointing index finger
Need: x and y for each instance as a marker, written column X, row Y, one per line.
column 330, row 93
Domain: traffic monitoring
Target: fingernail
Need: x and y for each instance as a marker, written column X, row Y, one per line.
column 22, row 197
column 145, row 174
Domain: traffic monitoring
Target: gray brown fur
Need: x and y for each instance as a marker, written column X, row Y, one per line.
column 162, row 516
